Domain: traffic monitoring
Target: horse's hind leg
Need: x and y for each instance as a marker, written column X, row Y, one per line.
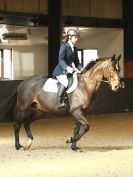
column 17, row 126
column 29, row 135
column 75, row 133
column 31, row 116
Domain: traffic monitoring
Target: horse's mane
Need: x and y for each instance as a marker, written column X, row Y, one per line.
column 92, row 63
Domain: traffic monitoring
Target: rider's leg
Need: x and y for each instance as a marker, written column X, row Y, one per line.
column 60, row 96
column 63, row 83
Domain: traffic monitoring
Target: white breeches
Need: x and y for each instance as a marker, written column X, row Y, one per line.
column 63, row 80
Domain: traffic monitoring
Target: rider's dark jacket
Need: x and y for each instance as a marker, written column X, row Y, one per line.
column 66, row 57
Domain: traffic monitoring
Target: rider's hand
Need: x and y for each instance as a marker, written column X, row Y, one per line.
column 69, row 69
column 76, row 70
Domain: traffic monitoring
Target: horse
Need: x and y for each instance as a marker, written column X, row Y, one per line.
column 30, row 102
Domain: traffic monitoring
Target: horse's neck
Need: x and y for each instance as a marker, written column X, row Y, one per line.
column 93, row 77
column 94, row 74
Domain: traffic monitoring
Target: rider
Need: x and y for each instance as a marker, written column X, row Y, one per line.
column 68, row 63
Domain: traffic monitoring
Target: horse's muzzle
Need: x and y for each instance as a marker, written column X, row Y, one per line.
column 116, row 85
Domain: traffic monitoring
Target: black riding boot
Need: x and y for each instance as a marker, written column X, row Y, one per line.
column 60, row 97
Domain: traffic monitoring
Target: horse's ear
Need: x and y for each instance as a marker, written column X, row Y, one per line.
column 113, row 57
column 119, row 57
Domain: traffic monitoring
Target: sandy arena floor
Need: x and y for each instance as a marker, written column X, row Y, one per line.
column 107, row 149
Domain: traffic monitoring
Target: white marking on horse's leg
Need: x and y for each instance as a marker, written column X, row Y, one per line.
column 28, row 145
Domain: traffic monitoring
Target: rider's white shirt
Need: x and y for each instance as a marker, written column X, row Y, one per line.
column 71, row 45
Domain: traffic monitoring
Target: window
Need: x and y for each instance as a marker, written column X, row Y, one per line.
column 6, row 63
column 80, row 55
column 87, row 55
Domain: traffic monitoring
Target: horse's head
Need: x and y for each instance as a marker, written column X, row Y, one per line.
column 111, row 72
column 108, row 68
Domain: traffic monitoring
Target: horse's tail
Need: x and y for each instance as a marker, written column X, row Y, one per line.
column 8, row 107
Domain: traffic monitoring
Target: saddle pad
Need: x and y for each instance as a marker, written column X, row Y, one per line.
column 51, row 85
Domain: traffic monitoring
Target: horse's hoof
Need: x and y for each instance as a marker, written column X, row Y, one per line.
column 28, row 145
column 18, row 147
column 69, row 140
column 76, row 148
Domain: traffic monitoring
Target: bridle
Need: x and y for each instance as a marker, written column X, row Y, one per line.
column 108, row 81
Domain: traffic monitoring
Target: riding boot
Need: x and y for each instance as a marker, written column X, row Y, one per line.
column 60, row 97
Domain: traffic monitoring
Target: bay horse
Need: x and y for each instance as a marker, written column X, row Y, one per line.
column 33, row 103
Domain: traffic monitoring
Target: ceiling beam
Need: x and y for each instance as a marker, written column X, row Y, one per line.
column 42, row 20
column 19, row 19
column 92, row 22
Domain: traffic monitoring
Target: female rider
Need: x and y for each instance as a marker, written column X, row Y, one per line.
column 68, row 62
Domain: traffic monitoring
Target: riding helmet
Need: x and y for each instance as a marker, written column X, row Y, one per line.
column 73, row 32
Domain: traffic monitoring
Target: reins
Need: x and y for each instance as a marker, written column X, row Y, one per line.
column 106, row 81
column 102, row 80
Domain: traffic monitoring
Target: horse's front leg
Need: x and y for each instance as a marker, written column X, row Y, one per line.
column 78, row 114
column 17, row 126
column 75, row 133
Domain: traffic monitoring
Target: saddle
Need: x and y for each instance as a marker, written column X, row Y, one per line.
column 51, row 85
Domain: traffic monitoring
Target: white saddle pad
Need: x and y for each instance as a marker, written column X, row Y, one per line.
column 51, row 85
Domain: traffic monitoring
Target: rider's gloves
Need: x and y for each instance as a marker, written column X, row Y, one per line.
column 69, row 69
